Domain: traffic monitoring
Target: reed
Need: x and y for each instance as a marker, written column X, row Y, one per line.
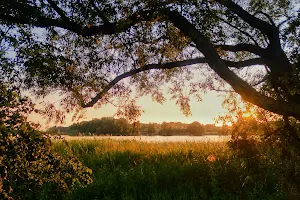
column 184, row 170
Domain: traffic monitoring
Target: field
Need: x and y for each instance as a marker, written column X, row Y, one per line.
column 157, row 138
column 183, row 170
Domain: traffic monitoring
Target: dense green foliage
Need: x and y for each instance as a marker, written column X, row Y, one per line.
column 29, row 169
column 140, row 170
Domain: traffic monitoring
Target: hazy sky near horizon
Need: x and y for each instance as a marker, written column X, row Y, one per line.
column 205, row 112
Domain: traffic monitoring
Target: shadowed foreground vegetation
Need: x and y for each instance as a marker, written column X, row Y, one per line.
column 140, row 170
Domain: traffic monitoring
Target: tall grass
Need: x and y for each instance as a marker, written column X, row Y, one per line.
column 142, row 170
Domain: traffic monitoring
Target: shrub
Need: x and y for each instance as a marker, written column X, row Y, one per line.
column 29, row 167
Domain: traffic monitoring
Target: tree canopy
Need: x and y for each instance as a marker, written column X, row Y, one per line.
column 195, row 128
column 111, row 126
column 96, row 52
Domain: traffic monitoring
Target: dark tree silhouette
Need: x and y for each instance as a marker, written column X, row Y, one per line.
column 85, row 49
column 195, row 128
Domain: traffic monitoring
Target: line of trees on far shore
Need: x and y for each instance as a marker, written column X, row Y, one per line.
column 112, row 126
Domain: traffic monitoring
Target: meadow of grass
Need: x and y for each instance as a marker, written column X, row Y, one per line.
column 184, row 170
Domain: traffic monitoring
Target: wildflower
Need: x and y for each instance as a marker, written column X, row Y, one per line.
column 211, row 158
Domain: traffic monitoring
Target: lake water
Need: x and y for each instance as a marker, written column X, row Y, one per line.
column 206, row 138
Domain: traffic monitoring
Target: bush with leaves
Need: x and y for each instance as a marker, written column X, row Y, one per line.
column 266, row 146
column 29, row 169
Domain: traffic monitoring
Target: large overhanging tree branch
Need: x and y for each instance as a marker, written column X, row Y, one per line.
column 243, row 47
column 273, row 56
column 136, row 71
column 170, row 65
column 84, row 30
column 281, row 65
column 240, row 86
column 259, row 24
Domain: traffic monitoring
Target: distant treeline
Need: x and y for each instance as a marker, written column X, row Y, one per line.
column 112, row 126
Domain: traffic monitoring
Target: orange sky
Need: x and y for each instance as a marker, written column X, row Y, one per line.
column 205, row 112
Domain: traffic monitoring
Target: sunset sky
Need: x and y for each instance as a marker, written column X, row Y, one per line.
column 205, row 112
